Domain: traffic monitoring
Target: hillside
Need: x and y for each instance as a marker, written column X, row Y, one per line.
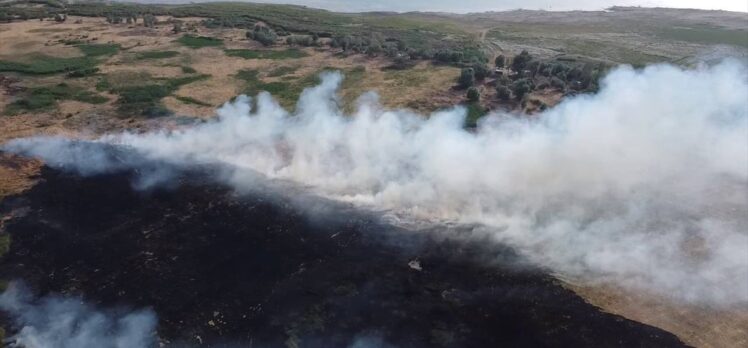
column 85, row 69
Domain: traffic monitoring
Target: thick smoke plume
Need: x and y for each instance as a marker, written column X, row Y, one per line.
column 644, row 184
column 56, row 322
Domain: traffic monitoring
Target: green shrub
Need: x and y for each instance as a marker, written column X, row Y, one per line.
column 473, row 95
column 474, row 112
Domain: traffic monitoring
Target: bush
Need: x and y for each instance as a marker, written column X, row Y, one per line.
column 262, row 34
column 473, row 95
column 467, row 77
column 300, row 40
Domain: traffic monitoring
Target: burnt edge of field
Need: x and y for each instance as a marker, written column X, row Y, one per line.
column 262, row 268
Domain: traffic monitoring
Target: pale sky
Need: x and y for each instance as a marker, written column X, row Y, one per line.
column 461, row 6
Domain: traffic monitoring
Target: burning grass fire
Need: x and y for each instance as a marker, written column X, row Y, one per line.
column 269, row 228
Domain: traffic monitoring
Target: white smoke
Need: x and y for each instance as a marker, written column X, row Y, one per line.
column 644, row 184
column 56, row 322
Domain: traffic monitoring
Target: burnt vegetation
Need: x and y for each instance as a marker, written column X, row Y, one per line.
column 254, row 268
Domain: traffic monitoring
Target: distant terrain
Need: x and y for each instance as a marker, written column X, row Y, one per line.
column 86, row 68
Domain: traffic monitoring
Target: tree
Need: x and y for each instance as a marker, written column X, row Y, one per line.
column 481, row 70
column 177, row 28
column 520, row 61
column 500, row 61
column 521, row 87
column 503, row 92
column 558, row 83
column 467, row 77
column 149, row 20
column 473, row 95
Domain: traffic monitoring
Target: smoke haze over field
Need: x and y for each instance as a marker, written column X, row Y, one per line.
column 644, row 184
column 68, row 323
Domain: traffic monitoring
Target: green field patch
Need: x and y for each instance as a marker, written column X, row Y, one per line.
column 156, row 55
column 98, row 50
column 266, row 54
column 286, row 92
column 43, row 65
column 188, row 70
column 199, row 41
column 45, row 98
column 145, row 97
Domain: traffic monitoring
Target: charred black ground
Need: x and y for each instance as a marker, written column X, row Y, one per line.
column 253, row 269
